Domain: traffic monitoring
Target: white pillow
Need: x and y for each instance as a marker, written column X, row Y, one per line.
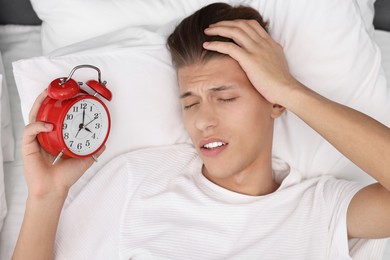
column 325, row 41
column 367, row 11
column 144, row 109
column 383, row 40
column 87, row 19
column 7, row 138
column 328, row 49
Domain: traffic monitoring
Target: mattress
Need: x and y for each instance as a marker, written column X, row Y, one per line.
column 21, row 42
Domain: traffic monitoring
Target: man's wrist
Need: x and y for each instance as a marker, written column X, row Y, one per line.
column 292, row 95
column 57, row 197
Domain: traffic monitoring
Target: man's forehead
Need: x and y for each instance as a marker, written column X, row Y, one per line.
column 213, row 68
column 215, row 75
column 211, row 90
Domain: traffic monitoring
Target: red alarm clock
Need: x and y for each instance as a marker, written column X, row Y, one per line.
column 81, row 121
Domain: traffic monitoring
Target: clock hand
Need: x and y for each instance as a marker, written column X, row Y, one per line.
column 81, row 126
column 83, row 115
column 90, row 121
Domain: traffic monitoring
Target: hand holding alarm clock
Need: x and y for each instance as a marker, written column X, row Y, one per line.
column 81, row 121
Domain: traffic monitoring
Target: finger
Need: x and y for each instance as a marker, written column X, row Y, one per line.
column 29, row 142
column 32, row 130
column 260, row 30
column 35, row 107
column 88, row 161
column 239, row 35
column 227, row 48
column 251, row 27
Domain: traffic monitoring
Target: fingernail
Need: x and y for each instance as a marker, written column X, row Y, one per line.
column 207, row 30
column 205, row 44
column 48, row 126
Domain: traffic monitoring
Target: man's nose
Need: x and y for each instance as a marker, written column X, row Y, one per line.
column 206, row 117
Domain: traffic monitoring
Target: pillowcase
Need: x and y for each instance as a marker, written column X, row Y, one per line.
column 329, row 50
column 326, row 44
column 7, row 138
column 88, row 16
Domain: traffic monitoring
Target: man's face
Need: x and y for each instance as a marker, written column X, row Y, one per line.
column 229, row 122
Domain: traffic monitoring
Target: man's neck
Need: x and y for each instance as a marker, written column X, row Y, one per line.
column 249, row 182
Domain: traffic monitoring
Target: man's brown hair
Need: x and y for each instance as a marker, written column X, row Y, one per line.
column 185, row 43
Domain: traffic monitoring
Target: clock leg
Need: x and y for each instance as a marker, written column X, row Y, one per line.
column 57, row 158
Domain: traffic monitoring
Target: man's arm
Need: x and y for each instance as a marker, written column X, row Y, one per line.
column 48, row 187
column 363, row 140
column 37, row 235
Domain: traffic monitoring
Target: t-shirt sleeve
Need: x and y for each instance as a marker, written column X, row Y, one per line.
column 338, row 195
column 94, row 215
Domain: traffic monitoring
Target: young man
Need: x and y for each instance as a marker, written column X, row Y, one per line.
column 227, row 199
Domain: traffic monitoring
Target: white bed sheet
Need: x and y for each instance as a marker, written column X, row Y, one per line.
column 16, row 42
column 20, row 42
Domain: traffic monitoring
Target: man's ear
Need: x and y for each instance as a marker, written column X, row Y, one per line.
column 277, row 110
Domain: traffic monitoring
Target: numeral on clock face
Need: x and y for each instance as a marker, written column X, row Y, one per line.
column 85, row 126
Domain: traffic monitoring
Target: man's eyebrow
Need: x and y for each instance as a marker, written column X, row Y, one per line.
column 216, row 89
column 186, row 94
column 222, row 88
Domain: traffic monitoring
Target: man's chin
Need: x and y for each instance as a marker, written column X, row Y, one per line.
column 212, row 171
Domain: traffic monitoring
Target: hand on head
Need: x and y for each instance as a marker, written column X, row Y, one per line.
column 258, row 54
column 42, row 177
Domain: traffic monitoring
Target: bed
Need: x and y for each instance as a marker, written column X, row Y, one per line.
column 130, row 47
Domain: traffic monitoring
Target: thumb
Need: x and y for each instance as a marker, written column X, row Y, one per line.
column 30, row 133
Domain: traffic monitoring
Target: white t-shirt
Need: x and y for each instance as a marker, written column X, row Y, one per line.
column 156, row 204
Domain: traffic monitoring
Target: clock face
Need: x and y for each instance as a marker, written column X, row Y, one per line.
column 85, row 126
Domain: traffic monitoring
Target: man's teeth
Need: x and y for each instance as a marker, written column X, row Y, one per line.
column 213, row 145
